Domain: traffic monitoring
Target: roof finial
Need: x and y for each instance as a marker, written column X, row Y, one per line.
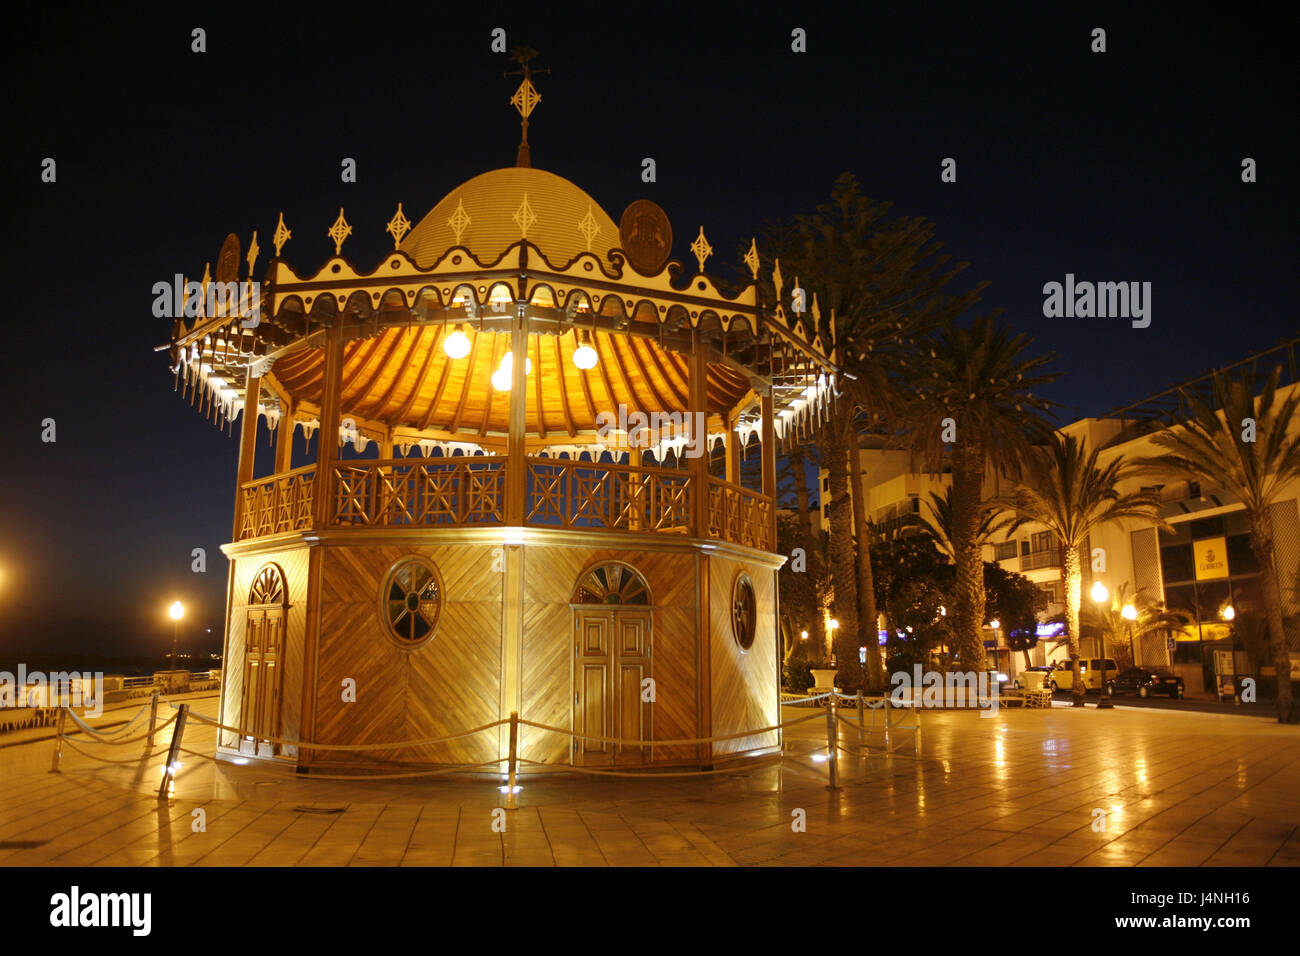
column 525, row 99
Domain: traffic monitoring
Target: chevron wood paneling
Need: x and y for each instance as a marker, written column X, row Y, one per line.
column 450, row 684
column 293, row 562
column 551, row 574
column 744, row 683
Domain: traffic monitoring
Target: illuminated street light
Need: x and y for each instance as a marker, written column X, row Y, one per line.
column 1100, row 595
column 1129, row 613
column 1229, row 613
column 175, row 612
column 803, row 635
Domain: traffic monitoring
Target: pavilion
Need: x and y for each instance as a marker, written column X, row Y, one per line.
column 510, row 506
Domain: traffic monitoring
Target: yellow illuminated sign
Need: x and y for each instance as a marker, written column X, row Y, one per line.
column 1211, row 558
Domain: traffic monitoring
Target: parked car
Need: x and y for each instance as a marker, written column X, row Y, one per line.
column 1145, row 681
column 1044, row 669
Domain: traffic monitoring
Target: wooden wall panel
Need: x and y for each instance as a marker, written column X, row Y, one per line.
column 445, row 686
column 744, row 683
column 293, row 562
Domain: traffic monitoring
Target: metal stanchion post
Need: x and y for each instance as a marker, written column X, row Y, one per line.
column 173, row 751
column 862, row 723
column 887, row 748
column 58, row 742
column 153, row 720
column 514, row 761
column 832, row 742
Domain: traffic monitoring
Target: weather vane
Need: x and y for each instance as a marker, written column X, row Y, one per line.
column 525, row 99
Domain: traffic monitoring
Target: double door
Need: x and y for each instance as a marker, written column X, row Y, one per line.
column 611, row 663
column 259, row 716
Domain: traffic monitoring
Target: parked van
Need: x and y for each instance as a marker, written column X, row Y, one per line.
column 1062, row 678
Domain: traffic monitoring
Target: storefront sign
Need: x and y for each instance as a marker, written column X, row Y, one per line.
column 1211, row 558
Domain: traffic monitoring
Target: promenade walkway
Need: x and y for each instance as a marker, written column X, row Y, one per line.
column 1020, row 788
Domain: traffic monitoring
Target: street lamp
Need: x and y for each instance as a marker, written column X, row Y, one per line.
column 1100, row 595
column 833, row 625
column 176, row 612
column 1130, row 614
column 995, row 624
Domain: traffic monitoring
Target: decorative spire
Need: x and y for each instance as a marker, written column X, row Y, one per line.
column 589, row 227
column 524, row 217
column 253, row 250
column 751, row 258
column 459, row 220
column 525, row 99
column 339, row 231
column 702, row 249
column 398, row 226
column 282, row 235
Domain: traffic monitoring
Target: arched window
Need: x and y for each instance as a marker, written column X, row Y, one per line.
column 612, row 583
column 268, row 587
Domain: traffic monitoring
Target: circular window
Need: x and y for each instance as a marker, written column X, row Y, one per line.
column 411, row 600
column 744, row 611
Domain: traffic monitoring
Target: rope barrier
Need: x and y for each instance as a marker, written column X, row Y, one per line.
column 653, row 774
column 84, row 753
column 129, row 740
column 359, row 747
column 682, row 742
column 117, row 732
column 459, row 768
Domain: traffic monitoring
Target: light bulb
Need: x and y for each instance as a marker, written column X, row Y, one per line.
column 584, row 356
column 1129, row 612
column 456, row 345
column 502, row 378
column 1099, row 592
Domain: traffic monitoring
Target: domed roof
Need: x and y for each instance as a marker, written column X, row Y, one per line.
column 491, row 215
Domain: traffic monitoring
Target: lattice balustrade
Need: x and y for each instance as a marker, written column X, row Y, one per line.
column 579, row 494
column 278, row 504
column 739, row 515
column 454, row 491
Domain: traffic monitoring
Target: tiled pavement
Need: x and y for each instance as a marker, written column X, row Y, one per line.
column 1178, row 789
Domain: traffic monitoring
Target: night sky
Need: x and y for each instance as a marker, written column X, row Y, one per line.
column 1122, row 166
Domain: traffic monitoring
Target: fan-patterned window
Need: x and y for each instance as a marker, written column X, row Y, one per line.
column 412, row 600
column 612, row 584
column 744, row 611
column 268, row 587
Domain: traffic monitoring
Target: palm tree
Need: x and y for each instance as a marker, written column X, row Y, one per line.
column 1246, row 451
column 1065, row 489
column 972, row 404
column 879, row 281
column 939, row 525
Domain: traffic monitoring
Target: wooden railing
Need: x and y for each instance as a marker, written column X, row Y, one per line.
column 280, row 503
column 583, row 494
column 421, row 491
column 739, row 515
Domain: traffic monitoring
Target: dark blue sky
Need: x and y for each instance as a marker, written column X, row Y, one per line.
column 1123, row 166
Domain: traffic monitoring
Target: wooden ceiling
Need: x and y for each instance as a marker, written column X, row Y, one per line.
column 402, row 378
